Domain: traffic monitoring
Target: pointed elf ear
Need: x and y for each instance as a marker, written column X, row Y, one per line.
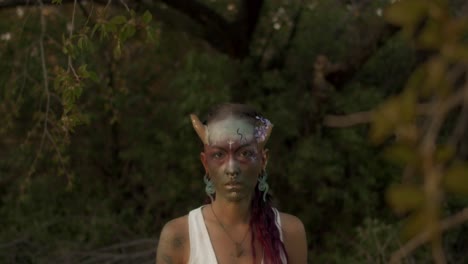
column 199, row 128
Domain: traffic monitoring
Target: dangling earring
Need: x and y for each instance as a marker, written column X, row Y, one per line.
column 209, row 187
column 263, row 185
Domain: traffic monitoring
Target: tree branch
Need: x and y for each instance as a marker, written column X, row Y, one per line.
column 450, row 222
column 216, row 30
column 198, row 12
column 26, row 3
column 366, row 116
column 352, row 65
column 246, row 22
column 348, row 120
column 280, row 57
column 231, row 38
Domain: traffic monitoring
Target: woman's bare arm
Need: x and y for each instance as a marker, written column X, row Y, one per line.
column 294, row 238
column 173, row 242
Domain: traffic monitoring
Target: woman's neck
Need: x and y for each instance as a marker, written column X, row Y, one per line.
column 231, row 213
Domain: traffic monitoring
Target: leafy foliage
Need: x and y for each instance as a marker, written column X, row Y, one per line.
column 97, row 148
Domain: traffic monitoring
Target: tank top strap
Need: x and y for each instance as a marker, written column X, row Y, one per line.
column 280, row 230
column 201, row 250
column 278, row 222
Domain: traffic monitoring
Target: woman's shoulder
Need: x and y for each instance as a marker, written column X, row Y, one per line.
column 291, row 223
column 294, row 238
column 177, row 225
column 174, row 242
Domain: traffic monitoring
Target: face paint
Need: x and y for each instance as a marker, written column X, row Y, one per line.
column 229, row 130
column 232, row 158
column 230, row 142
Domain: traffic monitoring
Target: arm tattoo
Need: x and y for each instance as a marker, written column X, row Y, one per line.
column 178, row 242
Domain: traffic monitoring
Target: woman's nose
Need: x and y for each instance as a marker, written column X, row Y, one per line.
column 232, row 168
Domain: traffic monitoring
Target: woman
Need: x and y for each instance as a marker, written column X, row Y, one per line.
column 238, row 224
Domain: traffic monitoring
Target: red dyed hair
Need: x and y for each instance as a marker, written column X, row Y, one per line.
column 263, row 224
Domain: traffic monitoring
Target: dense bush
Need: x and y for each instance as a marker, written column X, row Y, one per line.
column 118, row 157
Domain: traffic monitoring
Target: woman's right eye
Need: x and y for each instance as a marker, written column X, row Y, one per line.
column 218, row 155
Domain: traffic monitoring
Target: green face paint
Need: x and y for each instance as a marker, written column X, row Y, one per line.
column 230, row 130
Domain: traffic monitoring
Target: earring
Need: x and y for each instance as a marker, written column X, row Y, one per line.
column 263, row 185
column 209, row 187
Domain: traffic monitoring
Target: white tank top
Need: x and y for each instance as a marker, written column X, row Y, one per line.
column 201, row 250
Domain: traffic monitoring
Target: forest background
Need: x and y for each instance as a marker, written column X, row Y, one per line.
column 369, row 101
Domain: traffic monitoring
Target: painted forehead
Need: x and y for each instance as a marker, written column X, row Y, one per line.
column 230, row 129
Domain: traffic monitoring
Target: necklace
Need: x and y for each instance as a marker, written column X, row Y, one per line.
column 239, row 248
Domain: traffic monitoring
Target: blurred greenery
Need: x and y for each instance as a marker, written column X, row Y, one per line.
column 99, row 154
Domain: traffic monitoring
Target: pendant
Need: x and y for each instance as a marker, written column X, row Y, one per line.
column 239, row 250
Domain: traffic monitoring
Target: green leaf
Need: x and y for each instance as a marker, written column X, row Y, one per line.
column 117, row 20
column 117, row 51
column 406, row 13
column 109, row 28
column 93, row 76
column 95, row 28
column 436, row 69
column 57, row 83
column 127, row 32
column 405, row 198
column 456, row 52
column 150, row 36
column 415, row 224
column 408, row 105
column 417, row 81
column 431, row 36
column 84, row 44
column 77, row 92
column 147, row 17
column 82, row 71
column 104, row 31
column 80, row 43
column 444, row 153
column 456, row 179
column 401, row 154
column 385, row 119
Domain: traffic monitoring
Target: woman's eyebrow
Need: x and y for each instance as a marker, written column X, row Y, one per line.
column 246, row 145
column 214, row 147
column 241, row 146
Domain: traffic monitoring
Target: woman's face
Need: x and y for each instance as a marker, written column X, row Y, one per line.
column 232, row 158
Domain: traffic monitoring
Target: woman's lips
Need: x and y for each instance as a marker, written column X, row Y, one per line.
column 233, row 185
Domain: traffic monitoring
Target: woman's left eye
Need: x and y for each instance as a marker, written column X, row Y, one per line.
column 247, row 153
